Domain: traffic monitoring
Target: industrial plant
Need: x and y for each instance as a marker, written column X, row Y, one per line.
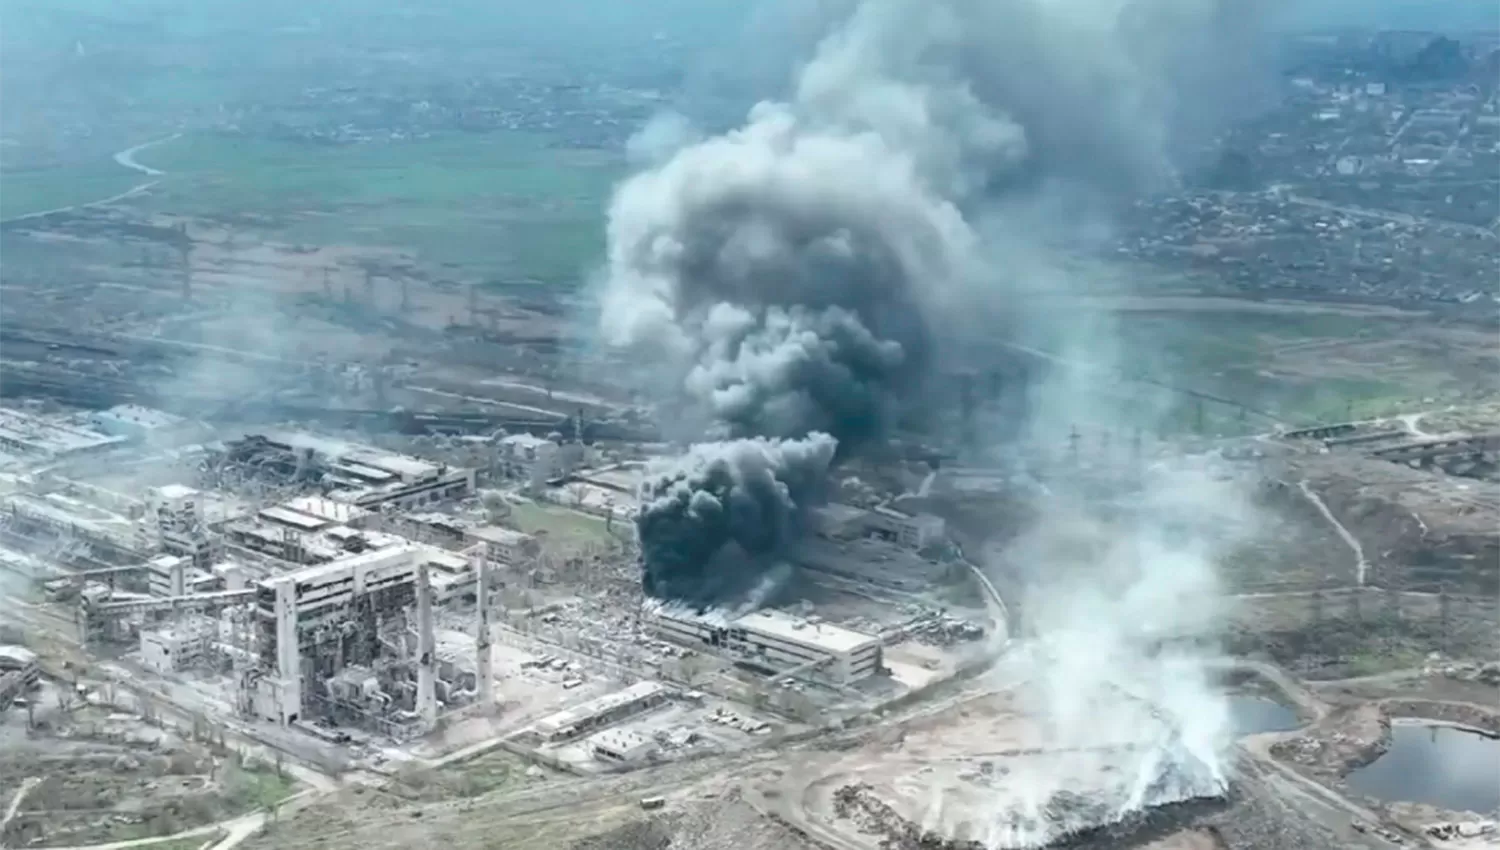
column 882, row 425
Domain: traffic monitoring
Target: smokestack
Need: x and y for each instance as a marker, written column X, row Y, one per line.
column 484, row 662
column 426, row 650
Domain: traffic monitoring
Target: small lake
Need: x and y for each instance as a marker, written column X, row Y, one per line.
column 1253, row 715
column 1439, row 765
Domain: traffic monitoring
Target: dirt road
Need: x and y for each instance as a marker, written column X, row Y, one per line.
column 125, row 158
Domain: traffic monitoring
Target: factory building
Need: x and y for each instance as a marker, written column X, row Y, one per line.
column 19, row 673
column 435, row 528
column 362, row 476
column 60, row 515
column 452, row 573
column 175, row 514
column 597, row 713
column 776, row 643
column 185, row 643
column 314, row 622
column 621, row 746
column 39, row 438
column 535, row 460
column 908, row 530
column 912, row 531
column 503, row 545
column 301, row 539
column 140, row 424
column 167, row 575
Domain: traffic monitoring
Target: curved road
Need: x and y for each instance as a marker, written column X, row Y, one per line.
column 125, row 158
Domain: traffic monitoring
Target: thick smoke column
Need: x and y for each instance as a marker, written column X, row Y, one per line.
column 792, row 272
column 794, row 275
column 742, row 492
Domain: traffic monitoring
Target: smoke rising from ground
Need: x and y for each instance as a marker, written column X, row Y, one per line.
column 801, row 273
column 716, row 521
column 1122, row 609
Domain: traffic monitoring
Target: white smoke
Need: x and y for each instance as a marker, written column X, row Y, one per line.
column 1121, row 612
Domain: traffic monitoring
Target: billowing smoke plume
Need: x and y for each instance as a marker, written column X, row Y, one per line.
column 791, row 276
column 741, row 492
column 1121, row 607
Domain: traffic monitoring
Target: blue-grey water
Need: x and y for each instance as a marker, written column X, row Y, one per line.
column 1253, row 715
column 1439, row 765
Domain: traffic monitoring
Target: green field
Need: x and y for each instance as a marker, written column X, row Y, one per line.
column 503, row 205
column 564, row 530
column 1258, row 359
column 40, row 189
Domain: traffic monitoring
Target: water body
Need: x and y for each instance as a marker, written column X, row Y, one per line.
column 1439, row 765
column 1253, row 715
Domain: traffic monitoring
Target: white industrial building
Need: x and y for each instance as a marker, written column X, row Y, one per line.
column 535, row 460
column 776, row 642
column 365, row 476
column 42, row 438
column 139, row 424
column 621, row 746
column 314, row 621
column 601, row 711
column 910, row 530
column 175, row 515
column 186, row 643
column 503, row 545
column 167, row 575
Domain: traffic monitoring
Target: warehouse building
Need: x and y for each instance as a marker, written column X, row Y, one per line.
column 598, row 713
column 777, row 643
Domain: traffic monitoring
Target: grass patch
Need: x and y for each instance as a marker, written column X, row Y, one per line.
column 505, row 204
column 1243, row 356
column 561, row 529
column 492, row 771
column 41, row 189
column 1374, row 662
column 251, row 788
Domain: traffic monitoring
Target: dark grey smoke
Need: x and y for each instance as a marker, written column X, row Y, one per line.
column 742, row 492
column 852, row 203
column 799, row 274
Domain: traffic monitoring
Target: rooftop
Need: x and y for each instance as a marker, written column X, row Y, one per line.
column 296, row 519
column 145, row 417
column 16, row 656
column 176, row 491
column 500, row 535
column 524, row 440
column 599, row 705
column 349, row 564
column 779, row 624
column 48, row 437
column 328, row 509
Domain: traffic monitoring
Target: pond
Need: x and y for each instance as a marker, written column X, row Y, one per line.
column 1443, row 766
column 1252, row 715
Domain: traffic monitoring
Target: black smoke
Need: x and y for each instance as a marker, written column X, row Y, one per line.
column 798, row 275
column 720, row 519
